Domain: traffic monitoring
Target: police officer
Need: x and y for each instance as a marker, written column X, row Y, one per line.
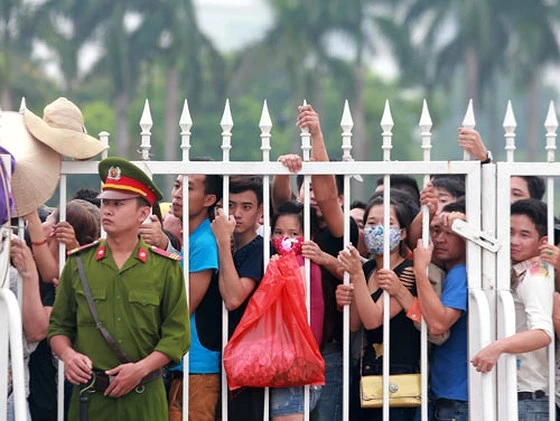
column 139, row 295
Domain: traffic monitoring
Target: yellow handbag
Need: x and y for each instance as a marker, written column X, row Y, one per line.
column 405, row 390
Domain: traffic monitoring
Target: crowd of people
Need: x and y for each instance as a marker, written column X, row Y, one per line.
column 119, row 318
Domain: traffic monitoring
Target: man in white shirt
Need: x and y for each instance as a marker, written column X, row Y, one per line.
column 532, row 289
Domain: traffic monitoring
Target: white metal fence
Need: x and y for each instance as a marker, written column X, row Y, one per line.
column 491, row 396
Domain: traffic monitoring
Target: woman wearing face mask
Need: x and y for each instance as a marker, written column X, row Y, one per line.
column 365, row 294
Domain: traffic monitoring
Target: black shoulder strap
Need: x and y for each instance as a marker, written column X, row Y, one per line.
column 102, row 329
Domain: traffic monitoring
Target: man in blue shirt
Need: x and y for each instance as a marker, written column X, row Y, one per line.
column 204, row 302
column 449, row 364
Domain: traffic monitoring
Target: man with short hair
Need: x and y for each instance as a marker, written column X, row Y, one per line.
column 204, row 302
column 532, row 290
column 527, row 187
column 136, row 292
column 241, row 270
column 449, row 362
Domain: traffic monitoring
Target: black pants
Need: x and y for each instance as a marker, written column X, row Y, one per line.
column 246, row 404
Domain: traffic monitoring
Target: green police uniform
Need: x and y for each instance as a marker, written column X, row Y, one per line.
column 143, row 305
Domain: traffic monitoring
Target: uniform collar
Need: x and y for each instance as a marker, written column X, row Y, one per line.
column 140, row 253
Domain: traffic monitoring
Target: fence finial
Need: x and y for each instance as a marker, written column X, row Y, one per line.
column 509, row 127
column 226, row 124
column 265, row 124
column 146, row 124
column 551, row 125
column 387, row 125
column 305, row 140
column 22, row 105
column 425, row 125
column 346, row 123
column 104, row 138
column 469, row 122
column 185, row 123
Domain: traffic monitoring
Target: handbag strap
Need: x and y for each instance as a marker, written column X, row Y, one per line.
column 362, row 352
column 102, row 329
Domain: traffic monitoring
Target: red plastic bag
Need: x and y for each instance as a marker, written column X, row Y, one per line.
column 273, row 345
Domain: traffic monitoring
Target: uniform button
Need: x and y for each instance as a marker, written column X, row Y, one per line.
column 118, row 319
column 118, row 297
column 120, row 341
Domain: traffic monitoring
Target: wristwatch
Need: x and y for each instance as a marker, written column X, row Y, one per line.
column 489, row 157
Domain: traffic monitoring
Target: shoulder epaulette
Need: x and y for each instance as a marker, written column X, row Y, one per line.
column 165, row 253
column 84, row 247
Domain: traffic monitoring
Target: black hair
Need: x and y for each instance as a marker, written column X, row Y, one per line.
column 243, row 183
column 213, row 184
column 535, row 210
column 403, row 182
column 89, row 195
column 292, row 207
column 405, row 209
column 454, row 184
column 535, row 185
column 358, row 204
column 458, row 206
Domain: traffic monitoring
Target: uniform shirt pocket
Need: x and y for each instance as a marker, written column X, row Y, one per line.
column 144, row 310
column 84, row 316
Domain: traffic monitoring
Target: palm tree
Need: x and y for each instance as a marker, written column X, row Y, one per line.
column 68, row 26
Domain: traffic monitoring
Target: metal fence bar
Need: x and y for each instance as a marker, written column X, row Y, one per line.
column 346, row 123
column 387, row 126
column 425, row 125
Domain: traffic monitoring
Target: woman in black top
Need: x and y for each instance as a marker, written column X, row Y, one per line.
column 368, row 283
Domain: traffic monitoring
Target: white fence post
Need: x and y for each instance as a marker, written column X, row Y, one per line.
column 507, row 364
column 551, row 125
column 346, row 123
column 425, row 125
column 226, row 124
column 387, row 126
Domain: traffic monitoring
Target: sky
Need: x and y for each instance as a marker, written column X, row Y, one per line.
column 231, row 24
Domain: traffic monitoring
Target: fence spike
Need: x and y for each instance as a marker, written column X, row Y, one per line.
column 23, row 105
column 227, row 121
column 387, row 119
column 346, row 123
column 226, row 124
column 146, row 121
column 387, row 125
column 509, row 127
column 551, row 122
column 551, row 125
column 509, row 120
column 265, row 124
column 185, row 121
column 425, row 123
column 146, row 124
column 469, row 121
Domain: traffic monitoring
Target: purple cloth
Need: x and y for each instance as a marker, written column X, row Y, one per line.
column 5, row 191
